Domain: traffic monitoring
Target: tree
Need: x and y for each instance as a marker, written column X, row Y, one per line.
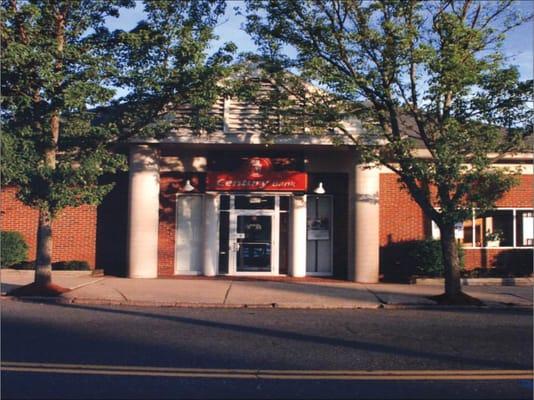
column 60, row 68
column 419, row 75
column 57, row 61
column 170, row 80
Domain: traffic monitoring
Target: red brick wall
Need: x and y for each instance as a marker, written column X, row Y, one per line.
column 74, row 229
column 167, row 223
column 521, row 195
column 401, row 219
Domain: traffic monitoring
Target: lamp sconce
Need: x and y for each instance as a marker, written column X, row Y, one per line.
column 319, row 189
column 188, row 187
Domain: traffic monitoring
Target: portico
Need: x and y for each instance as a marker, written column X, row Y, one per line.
column 296, row 210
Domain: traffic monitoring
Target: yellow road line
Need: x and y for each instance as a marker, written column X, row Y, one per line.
column 267, row 374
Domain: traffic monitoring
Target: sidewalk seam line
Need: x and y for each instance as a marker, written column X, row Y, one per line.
column 380, row 300
column 519, row 296
column 227, row 292
column 81, row 285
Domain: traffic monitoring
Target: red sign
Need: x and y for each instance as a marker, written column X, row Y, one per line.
column 257, row 174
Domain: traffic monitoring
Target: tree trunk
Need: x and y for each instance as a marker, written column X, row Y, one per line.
column 43, row 264
column 43, row 267
column 451, row 262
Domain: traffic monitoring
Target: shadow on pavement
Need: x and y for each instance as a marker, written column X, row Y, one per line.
column 320, row 340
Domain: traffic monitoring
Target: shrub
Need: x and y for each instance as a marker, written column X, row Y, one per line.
column 428, row 259
column 24, row 265
column 13, row 248
column 400, row 261
column 75, row 265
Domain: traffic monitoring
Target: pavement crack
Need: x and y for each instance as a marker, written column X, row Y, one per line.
column 382, row 301
column 227, row 292
column 121, row 294
column 518, row 296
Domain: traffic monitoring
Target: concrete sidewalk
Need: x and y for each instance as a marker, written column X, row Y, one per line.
column 291, row 293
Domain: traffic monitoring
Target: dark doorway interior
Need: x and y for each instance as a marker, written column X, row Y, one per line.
column 112, row 226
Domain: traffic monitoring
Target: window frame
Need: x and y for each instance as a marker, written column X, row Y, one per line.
column 473, row 227
column 514, row 228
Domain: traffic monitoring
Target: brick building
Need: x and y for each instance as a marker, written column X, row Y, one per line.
column 230, row 203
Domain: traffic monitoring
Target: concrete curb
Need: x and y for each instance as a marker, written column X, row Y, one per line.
column 407, row 306
column 494, row 306
column 480, row 281
column 214, row 305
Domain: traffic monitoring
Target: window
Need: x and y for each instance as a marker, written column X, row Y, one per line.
column 525, row 228
column 259, row 202
column 189, row 234
column 494, row 229
column 498, row 228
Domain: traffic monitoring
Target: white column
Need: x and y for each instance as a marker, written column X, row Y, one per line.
column 211, row 234
column 143, row 212
column 297, row 261
column 366, row 230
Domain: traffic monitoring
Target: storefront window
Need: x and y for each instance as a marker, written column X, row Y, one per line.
column 189, row 234
column 497, row 228
column 225, row 202
column 254, row 202
column 525, row 227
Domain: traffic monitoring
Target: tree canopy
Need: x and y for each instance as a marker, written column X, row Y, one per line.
column 55, row 68
column 60, row 68
column 164, row 65
column 430, row 83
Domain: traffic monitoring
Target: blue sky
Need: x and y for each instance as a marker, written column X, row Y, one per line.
column 518, row 46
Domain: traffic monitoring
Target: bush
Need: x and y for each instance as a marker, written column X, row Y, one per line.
column 24, row 265
column 13, row 248
column 428, row 259
column 400, row 261
column 75, row 265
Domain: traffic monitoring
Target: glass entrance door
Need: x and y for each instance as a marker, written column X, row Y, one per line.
column 252, row 247
column 254, row 243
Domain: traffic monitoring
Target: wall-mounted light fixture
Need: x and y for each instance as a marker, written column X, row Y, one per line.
column 319, row 189
column 188, row 187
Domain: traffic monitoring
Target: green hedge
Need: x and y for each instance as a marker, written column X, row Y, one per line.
column 74, row 265
column 428, row 258
column 13, row 248
column 401, row 261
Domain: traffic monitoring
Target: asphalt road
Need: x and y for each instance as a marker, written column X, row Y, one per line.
column 80, row 351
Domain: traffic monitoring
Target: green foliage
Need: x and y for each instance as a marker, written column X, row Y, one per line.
column 13, row 248
column 438, row 104
column 421, row 76
column 164, row 66
column 24, row 265
column 427, row 258
column 57, row 67
column 74, row 265
column 402, row 261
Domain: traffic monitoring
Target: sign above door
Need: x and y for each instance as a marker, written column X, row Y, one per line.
column 257, row 174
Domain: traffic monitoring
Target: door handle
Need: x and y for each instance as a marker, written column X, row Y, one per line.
column 235, row 246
